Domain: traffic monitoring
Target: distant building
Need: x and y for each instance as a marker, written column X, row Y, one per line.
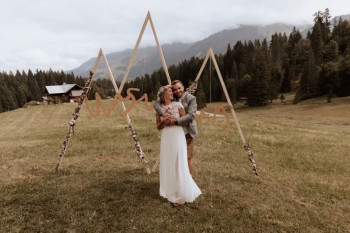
column 244, row 99
column 65, row 92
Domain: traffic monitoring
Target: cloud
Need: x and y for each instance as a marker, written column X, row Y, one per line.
column 63, row 34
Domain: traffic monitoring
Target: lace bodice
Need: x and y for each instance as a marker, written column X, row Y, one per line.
column 172, row 109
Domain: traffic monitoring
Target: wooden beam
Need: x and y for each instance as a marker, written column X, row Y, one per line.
column 159, row 50
column 246, row 146
column 202, row 67
column 226, row 95
column 148, row 18
column 130, row 126
column 134, row 53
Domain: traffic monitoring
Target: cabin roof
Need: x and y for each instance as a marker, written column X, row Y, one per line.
column 60, row 89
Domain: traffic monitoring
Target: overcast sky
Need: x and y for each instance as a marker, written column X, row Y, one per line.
column 62, row 34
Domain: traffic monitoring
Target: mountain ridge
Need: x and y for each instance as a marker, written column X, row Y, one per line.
column 147, row 58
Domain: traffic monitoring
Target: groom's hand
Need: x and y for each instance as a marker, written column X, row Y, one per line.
column 172, row 121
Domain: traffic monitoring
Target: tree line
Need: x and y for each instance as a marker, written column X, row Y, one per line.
column 22, row 87
column 258, row 71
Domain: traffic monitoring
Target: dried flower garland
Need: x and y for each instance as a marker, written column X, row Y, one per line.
column 251, row 158
column 192, row 88
column 72, row 122
column 137, row 147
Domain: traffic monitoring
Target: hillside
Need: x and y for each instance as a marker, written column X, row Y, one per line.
column 147, row 59
column 301, row 151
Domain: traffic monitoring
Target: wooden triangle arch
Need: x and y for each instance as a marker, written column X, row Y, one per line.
column 130, row 126
column 246, row 145
column 147, row 19
column 83, row 98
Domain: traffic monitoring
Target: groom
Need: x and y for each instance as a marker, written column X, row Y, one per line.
column 187, row 122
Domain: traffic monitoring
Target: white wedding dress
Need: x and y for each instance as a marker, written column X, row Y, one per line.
column 176, row 183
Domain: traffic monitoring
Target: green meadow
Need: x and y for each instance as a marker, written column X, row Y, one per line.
column 302, row 152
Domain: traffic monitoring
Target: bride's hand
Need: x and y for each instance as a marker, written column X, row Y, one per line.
column 172, row 121
column 165, row 120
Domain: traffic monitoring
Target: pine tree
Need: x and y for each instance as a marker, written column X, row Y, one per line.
column 343, row 80
column 96, row 89
column 249, row 47
column 274, row 84
column 18, row 75
column 155, row 84
column 8, row 101
column 71, row 79
column 34, row 89
column 200, row 96
column 277, row 51
column 40, row 79
column 234, row 72
column 294, row 38
column 243, row 85
column 329, row 69
column 257, row 92
column 21, row 96
column 148, row 87
column 291, row 73
column 309, row 72
column 317, row 42
column 287, row 74
column 341, row 34
column 232, row 89
column 228, row 62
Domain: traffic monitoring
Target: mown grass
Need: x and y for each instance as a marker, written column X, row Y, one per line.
column 302, row 152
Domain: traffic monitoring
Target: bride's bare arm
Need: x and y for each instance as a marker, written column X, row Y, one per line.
column 160, row 123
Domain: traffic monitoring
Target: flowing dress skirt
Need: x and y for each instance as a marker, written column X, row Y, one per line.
column 176, row 183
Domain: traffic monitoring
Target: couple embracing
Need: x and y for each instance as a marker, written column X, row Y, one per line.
column 175, row 117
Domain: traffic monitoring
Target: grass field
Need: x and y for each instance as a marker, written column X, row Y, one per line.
column 302, row 152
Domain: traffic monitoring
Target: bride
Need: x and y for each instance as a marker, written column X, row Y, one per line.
column 176, row 183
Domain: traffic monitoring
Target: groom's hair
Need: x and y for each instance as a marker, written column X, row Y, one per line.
column 176, row 82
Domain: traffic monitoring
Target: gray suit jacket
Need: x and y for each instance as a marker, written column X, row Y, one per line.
column 190, row 104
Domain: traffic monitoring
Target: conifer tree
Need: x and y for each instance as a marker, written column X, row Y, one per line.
column 8, row 101
column 274, row 84
column 234, row 72
column 228, row 62
column 329, row 69
column 317, row 42
column 257, row 92
column 200, row 97
column 232, row 89
column 341, row 34
column 343, row 80
column 21, row 96
column 34, row 89
column 307, row 70
column 40, row 79
column 287, row 74
column 243, row 85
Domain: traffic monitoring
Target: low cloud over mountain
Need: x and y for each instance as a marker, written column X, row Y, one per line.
column 147, row 59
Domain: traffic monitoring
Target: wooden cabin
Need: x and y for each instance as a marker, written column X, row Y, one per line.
column 65, row 92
